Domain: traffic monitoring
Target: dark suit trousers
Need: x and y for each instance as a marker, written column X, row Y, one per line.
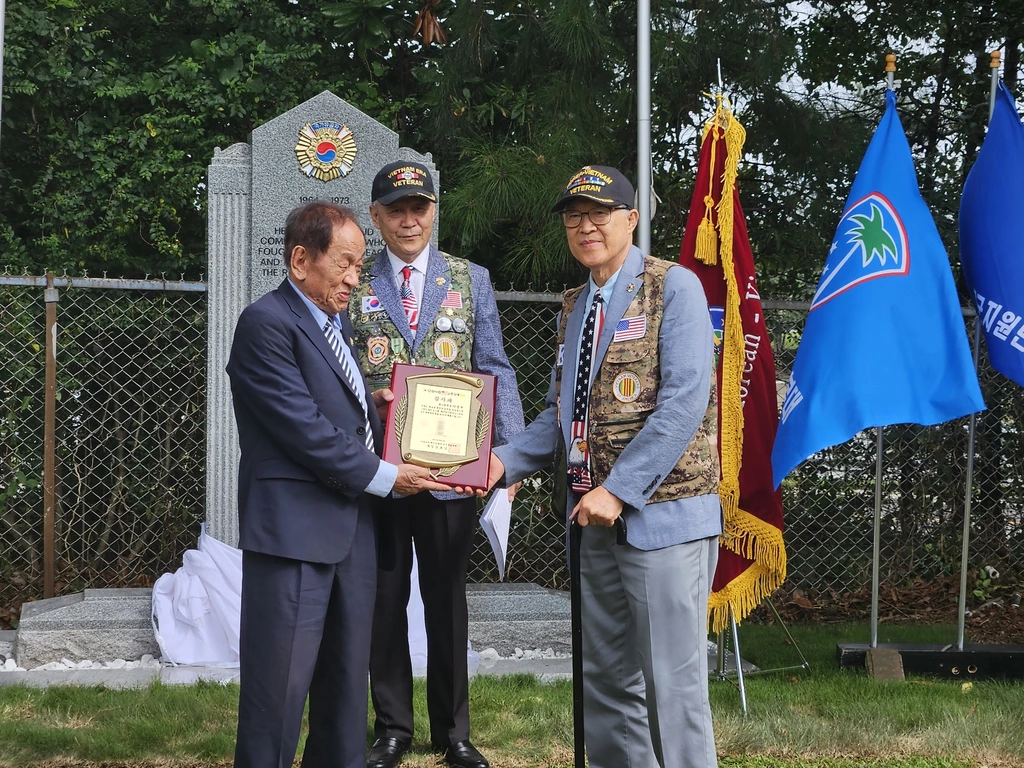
column 443, row 532
column 304, row 630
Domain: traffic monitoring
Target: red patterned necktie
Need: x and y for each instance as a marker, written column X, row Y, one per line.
column 578, row 460
column 409, row 299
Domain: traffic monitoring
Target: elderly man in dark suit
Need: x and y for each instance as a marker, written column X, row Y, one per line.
column 309, row 433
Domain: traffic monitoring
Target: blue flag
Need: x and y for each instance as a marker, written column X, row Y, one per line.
column 885, row 341
column 992, row 237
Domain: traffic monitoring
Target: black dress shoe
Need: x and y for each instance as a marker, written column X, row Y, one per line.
column 465, row 755
column 386, row 753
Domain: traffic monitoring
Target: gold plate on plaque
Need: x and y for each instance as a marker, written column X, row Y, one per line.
column 440, row 423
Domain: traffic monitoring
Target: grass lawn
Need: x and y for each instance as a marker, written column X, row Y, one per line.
column 824, row 719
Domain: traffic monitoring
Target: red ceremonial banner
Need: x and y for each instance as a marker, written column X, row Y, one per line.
column 752, row 556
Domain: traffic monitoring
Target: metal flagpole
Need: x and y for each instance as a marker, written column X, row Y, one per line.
column 643, row 123
column 876, row 545
column 973, row 424
column 876, row 541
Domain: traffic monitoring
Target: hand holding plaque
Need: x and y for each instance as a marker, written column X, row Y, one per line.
column 442, row 420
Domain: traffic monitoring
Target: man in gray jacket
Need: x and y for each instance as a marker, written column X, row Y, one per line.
column 632, row 404
column 415, row 303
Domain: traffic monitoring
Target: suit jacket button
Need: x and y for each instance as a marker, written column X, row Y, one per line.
column 361, row 430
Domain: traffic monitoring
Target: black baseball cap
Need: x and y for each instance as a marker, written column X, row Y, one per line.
column 600, row 183
column 402, row 179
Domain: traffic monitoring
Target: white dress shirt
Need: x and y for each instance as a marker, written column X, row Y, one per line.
column 418, row 275
column 384, row 479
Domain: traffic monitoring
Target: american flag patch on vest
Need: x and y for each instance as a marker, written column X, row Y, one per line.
column 630, row 328
column 452, row 299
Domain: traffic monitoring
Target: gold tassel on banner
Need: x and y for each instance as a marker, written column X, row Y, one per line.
column 706, row 248
column 731, row 430
column 745, row 534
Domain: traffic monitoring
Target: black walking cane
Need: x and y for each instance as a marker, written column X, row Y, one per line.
column 575, row 601
column 579, row 747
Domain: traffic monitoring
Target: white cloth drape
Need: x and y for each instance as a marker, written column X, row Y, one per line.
column 196, row 609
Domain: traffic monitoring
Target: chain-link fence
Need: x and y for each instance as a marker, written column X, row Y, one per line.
column 129, row 425
column 829, row 500
column 130, row 466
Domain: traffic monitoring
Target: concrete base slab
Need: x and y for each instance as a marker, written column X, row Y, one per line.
column 94, row 624
column 7, row 641
column 526, row 616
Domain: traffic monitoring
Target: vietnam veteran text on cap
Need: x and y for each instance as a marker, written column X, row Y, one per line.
column 402, row 179
column 600, row 183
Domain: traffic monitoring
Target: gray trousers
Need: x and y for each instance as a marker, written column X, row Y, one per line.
column 645, row 662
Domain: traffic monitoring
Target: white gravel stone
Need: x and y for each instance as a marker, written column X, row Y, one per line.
column 10, row 665
column 489, row 654
column 131, row 665
column 96, row 665
column 117, row 664
column 146, row 658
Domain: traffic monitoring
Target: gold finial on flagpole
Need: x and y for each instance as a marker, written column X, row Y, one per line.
column 994, row 69
column 890, row 70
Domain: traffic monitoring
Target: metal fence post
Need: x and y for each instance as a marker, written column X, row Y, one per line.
column 50, row 296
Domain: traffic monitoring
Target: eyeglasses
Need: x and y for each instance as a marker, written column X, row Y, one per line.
column 597, row 216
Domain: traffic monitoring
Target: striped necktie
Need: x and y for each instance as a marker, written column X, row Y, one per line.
column 345, row 358
column 578, row 460
column 409, row 299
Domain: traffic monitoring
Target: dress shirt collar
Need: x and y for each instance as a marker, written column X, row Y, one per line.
column 606, row 289
column 419, row 264
column 319, row 315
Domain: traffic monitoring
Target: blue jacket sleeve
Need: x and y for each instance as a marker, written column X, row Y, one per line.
column 533, row 449
column 686, row 354
column 489, row 356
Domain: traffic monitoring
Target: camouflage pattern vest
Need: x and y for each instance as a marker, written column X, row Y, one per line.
column 625, row 391
column 445, row 341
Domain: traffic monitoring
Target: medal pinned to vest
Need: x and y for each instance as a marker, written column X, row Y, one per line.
column 445, row 349
column 626, row 387
column 377, row 349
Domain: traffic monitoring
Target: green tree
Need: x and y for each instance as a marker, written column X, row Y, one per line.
column 113, row 108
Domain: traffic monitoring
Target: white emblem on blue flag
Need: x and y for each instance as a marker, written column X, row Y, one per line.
column 870, row 242
column 793, row 398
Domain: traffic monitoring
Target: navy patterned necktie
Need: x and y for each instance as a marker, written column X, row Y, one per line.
column 345, row 358
column 578, row 460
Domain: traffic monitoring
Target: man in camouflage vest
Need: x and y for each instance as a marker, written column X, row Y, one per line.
column 632, row 404
column 417, row 305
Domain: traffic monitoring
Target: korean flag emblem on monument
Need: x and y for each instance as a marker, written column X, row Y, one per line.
column 870, row 242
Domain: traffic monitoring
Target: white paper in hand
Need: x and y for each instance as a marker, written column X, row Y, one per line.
column 495, row 521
